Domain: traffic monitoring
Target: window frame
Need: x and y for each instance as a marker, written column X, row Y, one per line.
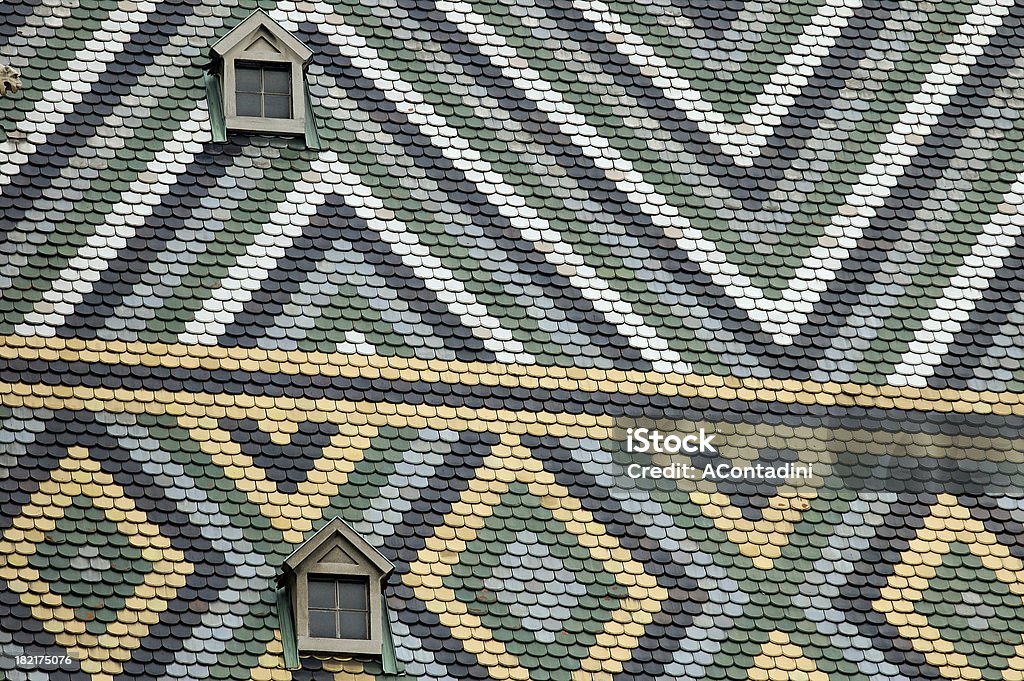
column 262, row 68
column 294, row 124
column 336, row 571
column 340, row 608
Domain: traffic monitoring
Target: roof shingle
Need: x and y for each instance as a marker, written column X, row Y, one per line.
column 529, row 225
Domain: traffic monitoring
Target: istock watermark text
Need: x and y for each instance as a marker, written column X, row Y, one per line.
column 652, row 441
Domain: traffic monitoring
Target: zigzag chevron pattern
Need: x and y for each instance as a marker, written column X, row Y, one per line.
column 528, row 223
column 825, row 190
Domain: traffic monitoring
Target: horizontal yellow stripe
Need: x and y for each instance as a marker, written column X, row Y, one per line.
column 508, row 375
column 194, row 409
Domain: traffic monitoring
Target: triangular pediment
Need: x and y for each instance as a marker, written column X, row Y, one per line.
column 338, row 554
column 262, row 35
column 262, row 43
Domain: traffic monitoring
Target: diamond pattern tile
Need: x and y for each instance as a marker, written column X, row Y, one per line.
column 984, row 573
column 92, row 569
column 528, row 224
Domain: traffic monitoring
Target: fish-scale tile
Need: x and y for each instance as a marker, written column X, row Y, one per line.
column 796, row 224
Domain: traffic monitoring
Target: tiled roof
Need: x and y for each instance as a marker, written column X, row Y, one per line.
column 528, row 224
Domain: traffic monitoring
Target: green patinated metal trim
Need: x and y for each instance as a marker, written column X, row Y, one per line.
column 389, row 661
column 289, row 639
column 290, row 642
column 312, row 136
column 218, row 126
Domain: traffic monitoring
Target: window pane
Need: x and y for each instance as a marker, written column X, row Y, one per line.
column 353, row 625
column 353, row 595
column 247, row 79
column 321, row 594
column 277, row 106
column 248, row 105
column 322, row 623
column 276, row 81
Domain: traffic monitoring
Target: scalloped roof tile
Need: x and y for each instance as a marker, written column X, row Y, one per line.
column 530, row 225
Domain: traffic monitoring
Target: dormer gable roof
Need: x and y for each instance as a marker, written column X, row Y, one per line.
column 246, row 36
column 348, row 541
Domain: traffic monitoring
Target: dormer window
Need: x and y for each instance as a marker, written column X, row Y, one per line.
column 261, row 79
column 335, row 585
